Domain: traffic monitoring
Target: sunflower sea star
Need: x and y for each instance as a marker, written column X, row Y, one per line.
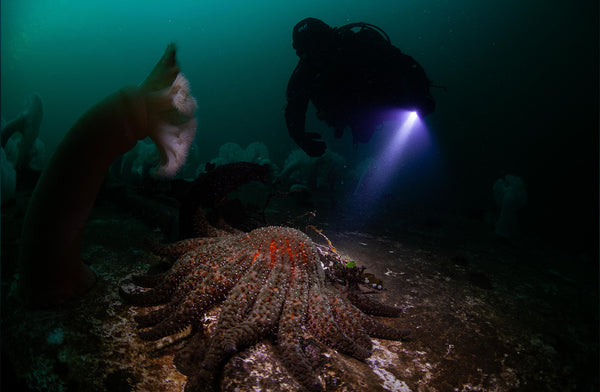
column 270, row 282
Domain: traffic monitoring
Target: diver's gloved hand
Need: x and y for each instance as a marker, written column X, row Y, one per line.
column 311, row 146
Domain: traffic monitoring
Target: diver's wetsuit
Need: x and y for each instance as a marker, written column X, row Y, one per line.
column 351, row 83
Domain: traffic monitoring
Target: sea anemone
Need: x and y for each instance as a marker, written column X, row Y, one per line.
column 27, row 124
column 161, row 107
column 175, row 126
column 510, row 196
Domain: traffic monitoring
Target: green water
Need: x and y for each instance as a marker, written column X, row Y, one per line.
column 522, row 77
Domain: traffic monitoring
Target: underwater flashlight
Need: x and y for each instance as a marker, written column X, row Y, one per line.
column 408, row 121
column 402, row 155
column 406, row 125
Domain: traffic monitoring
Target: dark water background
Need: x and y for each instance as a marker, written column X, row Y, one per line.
column 521, row 78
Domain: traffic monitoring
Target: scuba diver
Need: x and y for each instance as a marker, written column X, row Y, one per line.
column 353, row 75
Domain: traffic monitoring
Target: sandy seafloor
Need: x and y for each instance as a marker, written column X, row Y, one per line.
column 485, row 314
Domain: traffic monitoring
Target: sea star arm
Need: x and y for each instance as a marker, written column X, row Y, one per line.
column 205, row 292
column 179, row 248
column 368, row 306
column 345, row 316
column 325, row 328
column 263, row 317
column 163, row 291
column 265, row 312
column 243, row 296
column 189, row 358
column 378, row 329
column 290, row 331
column 235, row 309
